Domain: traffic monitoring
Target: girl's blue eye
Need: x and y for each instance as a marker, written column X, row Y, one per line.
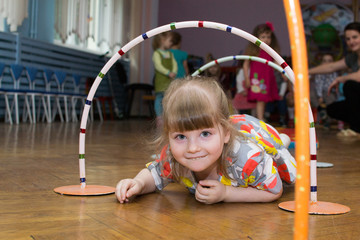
column 180, row 137
column 205, row 134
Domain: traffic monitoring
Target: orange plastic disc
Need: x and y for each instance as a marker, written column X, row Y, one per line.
column 321, row 208
column 88, row 190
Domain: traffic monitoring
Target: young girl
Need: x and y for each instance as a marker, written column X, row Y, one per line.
column 165, row 68
column 259, row 78
column 216, row 156
column 240, row 102
column 213, row 71
column 322, row 83
column 179, row 55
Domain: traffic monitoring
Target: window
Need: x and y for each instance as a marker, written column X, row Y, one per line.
column 95, row 25
column 12, row 13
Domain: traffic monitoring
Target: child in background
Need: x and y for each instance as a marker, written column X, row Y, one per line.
column 259, row 78
column 180, row 55
column 165, row 69
column 217, row 157
column 341, row 97
column 240, row 102
column 322, row 83
column 213, row 71
column 281, row 104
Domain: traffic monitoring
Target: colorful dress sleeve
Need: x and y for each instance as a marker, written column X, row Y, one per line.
column 269, row 139
column 160, row 169
column 252, row 167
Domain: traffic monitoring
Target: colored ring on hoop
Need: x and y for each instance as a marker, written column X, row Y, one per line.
column 239, row 57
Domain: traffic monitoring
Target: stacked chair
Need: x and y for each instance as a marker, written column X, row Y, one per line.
column 45, row 95
column 15, row 91
column 37, row 91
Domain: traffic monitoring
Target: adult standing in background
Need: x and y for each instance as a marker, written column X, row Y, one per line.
column 347, row 110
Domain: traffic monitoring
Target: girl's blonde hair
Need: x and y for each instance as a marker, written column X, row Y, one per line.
column 156, row 43
column 195, row 103
column 252, row 49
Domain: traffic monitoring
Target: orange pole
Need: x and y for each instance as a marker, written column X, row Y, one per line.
column 302, row 151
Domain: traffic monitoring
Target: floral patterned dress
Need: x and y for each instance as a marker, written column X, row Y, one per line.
column 262, row 81
column 261, row 161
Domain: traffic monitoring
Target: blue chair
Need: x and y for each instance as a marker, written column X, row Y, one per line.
column 38, row 90
column 76, row 96
column 52, row 88
column 18, row 89
column 21, row 88
column 54, row 80
column 67, row 86
column 3, row 92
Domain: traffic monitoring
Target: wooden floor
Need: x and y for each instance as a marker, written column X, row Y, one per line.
column 35, row 159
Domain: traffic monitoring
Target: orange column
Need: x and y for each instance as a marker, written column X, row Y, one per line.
column 302, row 151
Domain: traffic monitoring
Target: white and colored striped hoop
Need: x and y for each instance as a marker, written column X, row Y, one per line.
column 239, row 57
column 191, row 24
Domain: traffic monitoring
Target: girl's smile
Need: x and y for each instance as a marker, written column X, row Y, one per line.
column 199, row 150
column 196, row 158
column 352, row 38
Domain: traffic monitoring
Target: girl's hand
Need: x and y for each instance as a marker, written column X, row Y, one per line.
column 335, row 84
column 172, row 75
column 247, row 83
column 210, row 191
column 244, row 93
column 127, row 188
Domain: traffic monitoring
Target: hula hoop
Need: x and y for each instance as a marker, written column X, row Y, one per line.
column 190, row 24
column 302, row 205
column 239, row 57
column 169, row 27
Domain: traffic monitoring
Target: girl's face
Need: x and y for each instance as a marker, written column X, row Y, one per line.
column 352, row 38
column 327, row 59
column 166, row 42
column 199, row 150
column 265, row 37
column 213, row 70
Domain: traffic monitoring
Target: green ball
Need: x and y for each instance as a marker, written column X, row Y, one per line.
column 325, row 35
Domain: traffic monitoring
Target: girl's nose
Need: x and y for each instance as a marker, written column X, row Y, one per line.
column 193, row 146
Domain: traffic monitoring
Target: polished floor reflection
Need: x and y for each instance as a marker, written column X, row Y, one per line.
column 35, row 159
